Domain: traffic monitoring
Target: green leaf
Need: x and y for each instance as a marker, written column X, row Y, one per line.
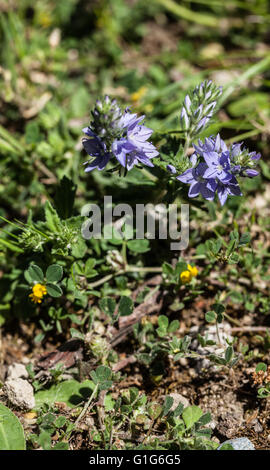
column 229, row 354
column 89, row 268
column 167, row 269
column 167, row 405
column 218, row 308
column 210, row 317
column 103, row 373
column 261, row 366
column 44, row 440
column 161, row 332
column 52, row 219
column 163, row 322
column 191, row 415
column 61, row 446
column 11, row 245
column 154, row 410
column 125, row 306
column 54, row 273
column 226, row 447
column 70, row 392
column 11, row 431
column 174, row 326
column 234, row 258
column 35, row 273
column 54, row 290
column 102, row 377
column 107, row 305
column 32, row 133
column 76, row 333
column 205, row 419
column 138, row 246
column 79, row 249
column 244, row 239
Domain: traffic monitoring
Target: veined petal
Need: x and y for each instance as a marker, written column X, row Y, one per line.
column 194, row 189
column 186, row 177
column 211, row 158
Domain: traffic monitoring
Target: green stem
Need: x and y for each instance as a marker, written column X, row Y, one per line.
column 231, row 319
column 128, row 269
column 217, row 330
column 149, row 175
column 82, row 413
column 189, row 15
column 243, row 136
column 186, row 147
column 255, row 69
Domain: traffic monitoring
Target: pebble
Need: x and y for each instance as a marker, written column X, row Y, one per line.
column 20, row 393
column 177, row 399
column 17, row 371
column 241, row 443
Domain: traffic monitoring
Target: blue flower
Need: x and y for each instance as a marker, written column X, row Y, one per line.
column 133, row 147
column 210, row 145
column 198, row 184
column 113, row 133
column 218, row 166
column 244, row 161
column 97, row 150
column 217, row 174
column 199, row 107
column 224, row 190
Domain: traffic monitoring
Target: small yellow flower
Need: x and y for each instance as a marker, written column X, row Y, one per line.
column 38, row 292
column 193, row 270
column 185, row 277
column 138, row 94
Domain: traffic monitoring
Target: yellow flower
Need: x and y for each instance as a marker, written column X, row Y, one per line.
column 138, row 94
column 193, row 270
column 38, row 292
column 185, row 277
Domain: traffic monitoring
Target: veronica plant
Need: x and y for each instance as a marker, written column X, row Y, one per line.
column 116, row 136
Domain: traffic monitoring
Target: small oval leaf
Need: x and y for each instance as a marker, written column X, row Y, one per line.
column 54, row 290
column 11, row 431
column 54, row 273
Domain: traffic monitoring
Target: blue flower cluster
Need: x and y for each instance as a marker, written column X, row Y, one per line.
column 199, row 107
column 215, row 167
column 118, row 134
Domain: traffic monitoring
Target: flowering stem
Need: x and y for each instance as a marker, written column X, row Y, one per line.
column 186, row 147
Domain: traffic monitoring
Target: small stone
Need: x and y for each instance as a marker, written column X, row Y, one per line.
column 210, row 332
column 177, row 399
column 241, row 443
column 17, row 371
column 20, row 393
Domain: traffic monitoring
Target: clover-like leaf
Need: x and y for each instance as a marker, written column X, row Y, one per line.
column 107, row 305
column 54, row 273
column 35, row 273
column 54, row 290
column 125, row 306
column 191, row 415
